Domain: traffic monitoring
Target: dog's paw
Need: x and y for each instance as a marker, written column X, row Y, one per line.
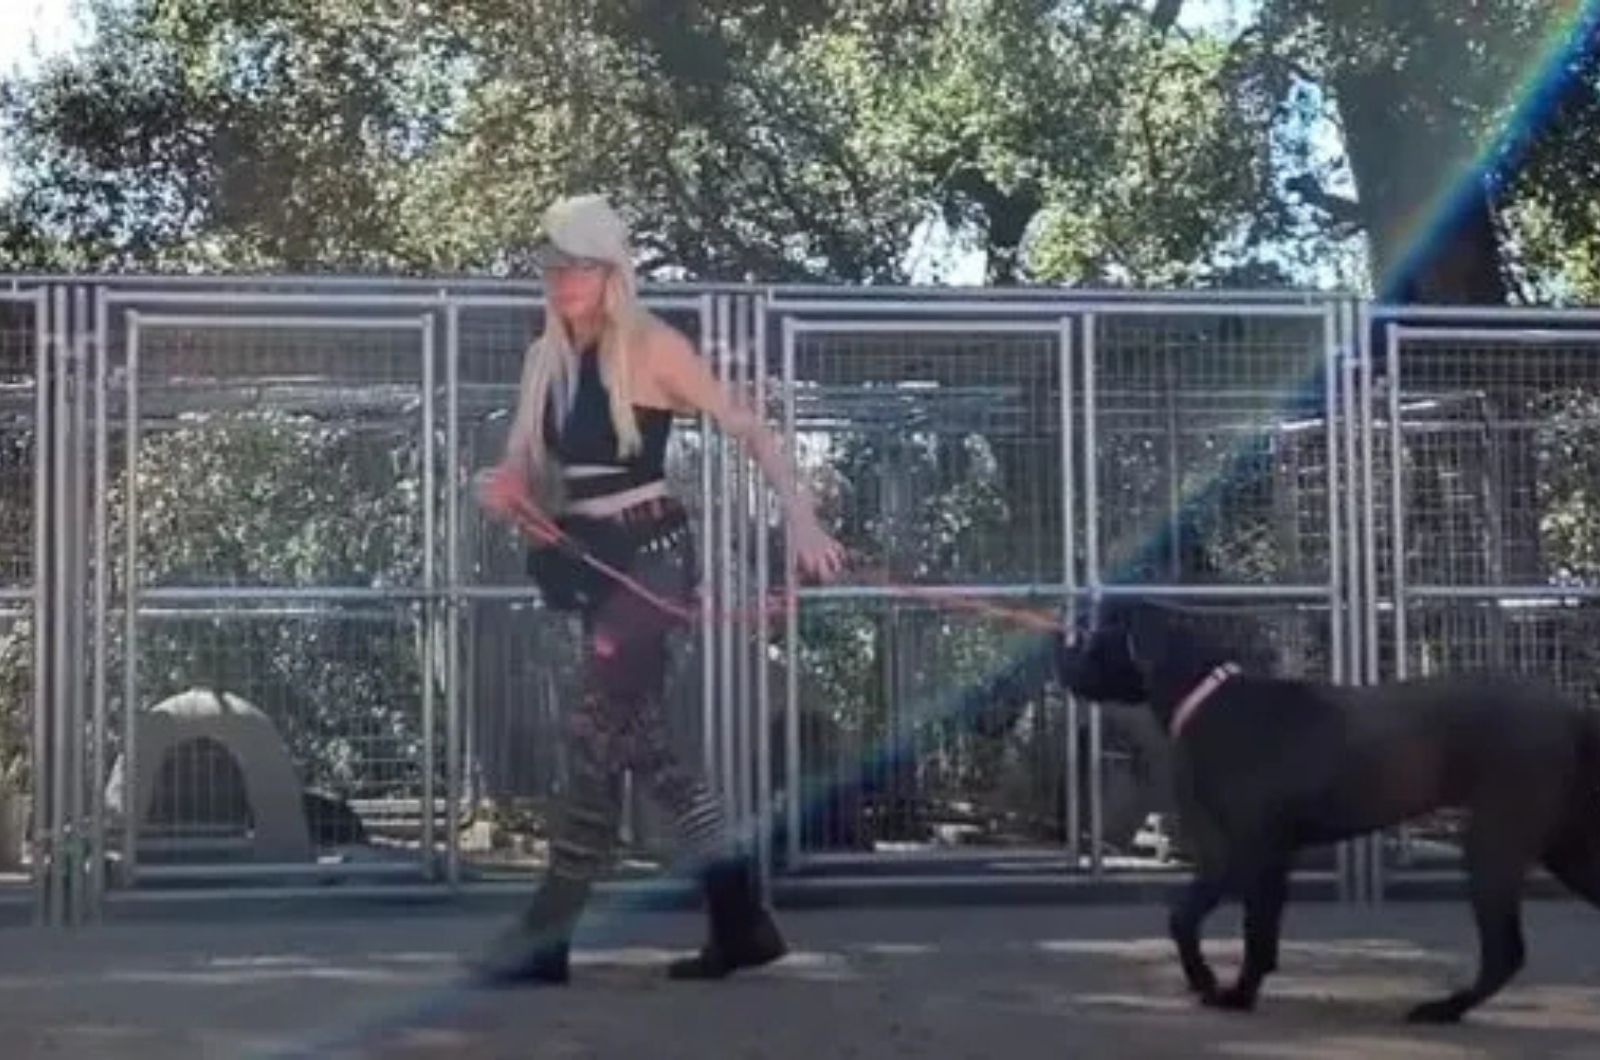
column 1232, row 999
column 1443, row 1011
column 1204, row 985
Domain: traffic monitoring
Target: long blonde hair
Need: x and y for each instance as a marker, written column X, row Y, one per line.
column 551, row 363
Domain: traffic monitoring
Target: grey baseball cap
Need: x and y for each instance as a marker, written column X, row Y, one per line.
column 582, row 230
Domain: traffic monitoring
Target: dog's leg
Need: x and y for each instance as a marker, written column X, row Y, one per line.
column 1496, row 866
column 1205, row 891
column 1188, row 914
column 1574, row 857
column 1264, row 899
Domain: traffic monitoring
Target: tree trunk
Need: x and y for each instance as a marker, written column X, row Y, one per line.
column 1433, row 241
column 1008, row 217
column 1403, row 170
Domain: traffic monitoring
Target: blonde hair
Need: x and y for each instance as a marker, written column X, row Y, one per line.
column 551, row 364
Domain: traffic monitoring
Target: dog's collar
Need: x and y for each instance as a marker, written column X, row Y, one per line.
column 1199, row 694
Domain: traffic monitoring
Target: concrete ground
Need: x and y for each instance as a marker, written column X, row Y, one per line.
column 1013, row 982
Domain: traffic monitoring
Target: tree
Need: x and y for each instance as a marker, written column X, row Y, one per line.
column 1552, row 211
column 368, row 134
column 1067, row 140
column 1082, row 146
column 1423, row 93
column 796, row 139
column 227, row 136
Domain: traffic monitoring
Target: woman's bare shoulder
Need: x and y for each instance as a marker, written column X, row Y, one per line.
column 664, row 356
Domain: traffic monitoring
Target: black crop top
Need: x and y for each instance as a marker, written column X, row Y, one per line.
column 586, row 436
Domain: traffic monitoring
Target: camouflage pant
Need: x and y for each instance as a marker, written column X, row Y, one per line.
column 620, row 723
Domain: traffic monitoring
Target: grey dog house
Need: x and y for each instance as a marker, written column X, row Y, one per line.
column 249, row 768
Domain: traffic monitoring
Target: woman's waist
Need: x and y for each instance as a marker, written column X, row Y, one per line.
column 644, row 511
column 602, row 490
column 628, row 503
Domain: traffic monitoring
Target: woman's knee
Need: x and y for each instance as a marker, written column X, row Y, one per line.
column 621, row 664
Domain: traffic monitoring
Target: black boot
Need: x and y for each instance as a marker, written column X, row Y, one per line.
column 535, row 948
column 743, row 933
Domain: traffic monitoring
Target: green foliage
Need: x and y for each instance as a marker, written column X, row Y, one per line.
column 796, row 140
column 276, row 499
column 227, row 136
column 1075, row 141
column 1086, row 148
column 16, row 702
column 1568, row 451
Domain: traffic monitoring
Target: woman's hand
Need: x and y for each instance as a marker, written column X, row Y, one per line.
column 817, row 554
column 503, row 492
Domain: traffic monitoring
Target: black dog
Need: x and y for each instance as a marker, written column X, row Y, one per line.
column 1265, row 766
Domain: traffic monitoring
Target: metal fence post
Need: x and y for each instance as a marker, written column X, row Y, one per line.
column 101, row 612
column 452, row 601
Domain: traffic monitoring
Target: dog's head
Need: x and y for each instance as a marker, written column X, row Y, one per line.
column 1134, row 646
column 1103, row 662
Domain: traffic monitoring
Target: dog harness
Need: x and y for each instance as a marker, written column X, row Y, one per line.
column 1201, row 692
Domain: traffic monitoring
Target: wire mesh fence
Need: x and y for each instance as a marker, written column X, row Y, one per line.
column 1487, row 524
column 317, row 598
column 278, row 733
column 1212, row 473
column 276, row 456
column 18, row 678
column 938, row 452
column 23, row 395
column 1498, row 461
column 895, row 755
column 1211, row 449
column 19, row 357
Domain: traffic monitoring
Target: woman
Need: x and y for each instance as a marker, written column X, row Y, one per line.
column 599, row 391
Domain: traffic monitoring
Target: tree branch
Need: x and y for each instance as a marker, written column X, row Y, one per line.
column 1345, row 212
column 1165, row 15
